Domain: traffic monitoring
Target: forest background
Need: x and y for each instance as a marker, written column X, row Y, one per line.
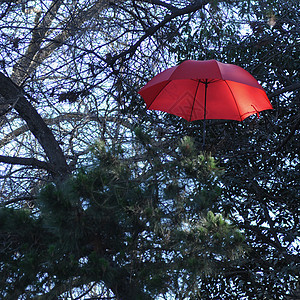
column 101, row 199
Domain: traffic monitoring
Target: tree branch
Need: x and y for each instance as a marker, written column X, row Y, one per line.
column 22, row 68
column 161, row 3
column 289, row 88
column 18, row 199
column 259, row 192
column 26, row 162
column 150, row 31
column 288, row 137
column 74, row 116
column 30, row 62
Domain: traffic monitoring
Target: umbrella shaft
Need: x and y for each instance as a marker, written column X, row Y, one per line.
column 205, row 99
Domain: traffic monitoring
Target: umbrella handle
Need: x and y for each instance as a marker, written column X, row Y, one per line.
column 204, row 117
column 204, row 132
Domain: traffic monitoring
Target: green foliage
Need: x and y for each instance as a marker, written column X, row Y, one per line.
column 155, row 214
column 109, row 223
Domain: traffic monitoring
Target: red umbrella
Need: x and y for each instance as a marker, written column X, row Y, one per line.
column 196, row 90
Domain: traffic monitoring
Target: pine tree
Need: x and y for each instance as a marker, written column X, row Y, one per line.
column 139, row 230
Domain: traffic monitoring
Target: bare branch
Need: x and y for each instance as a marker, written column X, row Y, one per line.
column 35, row 55
column 152, row 30
column 161, row 3
column 290, row 88
column 22, row 67
column 61, row 118
column 27, row 162
column 18, row 199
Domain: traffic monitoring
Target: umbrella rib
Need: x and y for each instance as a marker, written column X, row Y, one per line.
column 194, row 101
column 234, row 99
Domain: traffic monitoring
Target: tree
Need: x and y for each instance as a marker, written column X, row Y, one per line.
column 260, row 156
column 71, row 71
column 140, row 231
column 67, row 74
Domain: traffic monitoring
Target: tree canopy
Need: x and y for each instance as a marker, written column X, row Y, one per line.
column 101, row 199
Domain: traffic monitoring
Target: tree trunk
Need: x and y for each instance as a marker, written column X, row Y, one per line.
column 11, row 94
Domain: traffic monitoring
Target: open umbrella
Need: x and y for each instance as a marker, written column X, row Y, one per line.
column 196, row 90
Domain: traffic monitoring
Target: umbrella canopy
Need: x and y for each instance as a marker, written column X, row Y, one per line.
column 196, row 90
